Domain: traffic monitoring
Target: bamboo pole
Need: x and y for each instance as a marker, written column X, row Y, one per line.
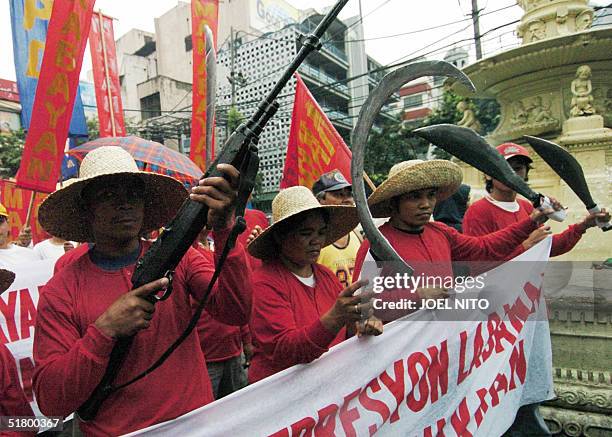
column 30, row 207
column 368, row 181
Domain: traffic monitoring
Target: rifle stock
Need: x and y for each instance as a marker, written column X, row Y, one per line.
column 165, row 254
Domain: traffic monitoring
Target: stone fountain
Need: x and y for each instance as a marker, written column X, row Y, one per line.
column 558, row 85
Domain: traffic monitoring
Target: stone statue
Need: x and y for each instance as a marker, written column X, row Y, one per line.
column 519, row 114
column 537, row 31
column 584, row 20
column 540, row 112
column 469, row 119
column 582, row 102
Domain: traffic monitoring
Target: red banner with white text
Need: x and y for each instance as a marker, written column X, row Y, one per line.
column 203, row 13
column 55, row 94
column 106, row 76
column 16, row 202
column 315, row 147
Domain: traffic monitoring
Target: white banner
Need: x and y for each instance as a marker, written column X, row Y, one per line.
column 421, row 377
column 18, row 316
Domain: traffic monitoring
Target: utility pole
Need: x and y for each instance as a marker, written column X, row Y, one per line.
column 476, row 22
column 234, row 78
column 232, row 72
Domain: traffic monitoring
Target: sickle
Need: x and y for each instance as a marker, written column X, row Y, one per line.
column 211, row 92
column 390, row 84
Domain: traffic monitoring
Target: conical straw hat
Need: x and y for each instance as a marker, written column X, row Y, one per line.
column 297, row 200
column 415, row 175
column 61, row 213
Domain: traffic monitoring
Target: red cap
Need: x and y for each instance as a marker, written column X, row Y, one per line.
column 510, row 150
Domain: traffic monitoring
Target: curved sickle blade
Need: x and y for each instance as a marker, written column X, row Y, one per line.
column 472, row 149
column 390, row 84
column 565, row 165
column 211, row 93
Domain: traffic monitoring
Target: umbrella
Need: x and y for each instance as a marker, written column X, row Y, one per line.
column 149, row 156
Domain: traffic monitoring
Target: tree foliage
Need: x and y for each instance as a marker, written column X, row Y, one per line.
column 234, row 119
column 388, row 144
column 11, row 149
column 486, row 110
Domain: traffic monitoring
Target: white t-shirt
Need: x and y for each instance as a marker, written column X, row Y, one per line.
column 506, row 206
column 309, row 281
column 47, row 250
column 16, row 255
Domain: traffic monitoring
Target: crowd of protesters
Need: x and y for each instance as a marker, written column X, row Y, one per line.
column 287, row 292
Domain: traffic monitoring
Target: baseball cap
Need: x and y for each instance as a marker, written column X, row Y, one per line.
column 510, row 150
column 3, row 211
column 331, row 181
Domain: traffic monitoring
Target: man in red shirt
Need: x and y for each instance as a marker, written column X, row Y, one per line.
column 501, row 208
column 408, row 196
column 89, row 303
column 221, row 343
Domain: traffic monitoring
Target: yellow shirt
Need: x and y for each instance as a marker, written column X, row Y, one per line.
column 341, row 261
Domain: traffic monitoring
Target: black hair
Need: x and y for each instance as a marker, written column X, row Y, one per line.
column 522, row 159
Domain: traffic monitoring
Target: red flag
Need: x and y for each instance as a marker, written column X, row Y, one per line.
column 17, row 201
column 203, row 13
column 315, row 147
column 55, row 94
column 106, row 76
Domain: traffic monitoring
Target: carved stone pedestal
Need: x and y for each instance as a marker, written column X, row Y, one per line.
column 589, row 129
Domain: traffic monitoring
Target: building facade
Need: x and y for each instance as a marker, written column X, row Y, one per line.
column 257, row 39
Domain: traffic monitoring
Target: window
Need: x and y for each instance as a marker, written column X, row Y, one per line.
column 150, row 106
column 413, row 101
column 188, row 43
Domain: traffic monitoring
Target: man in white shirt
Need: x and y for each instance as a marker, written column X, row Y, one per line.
column 10, row 253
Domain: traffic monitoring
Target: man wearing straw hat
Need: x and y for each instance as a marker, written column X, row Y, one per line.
column 88, row 304
column 408, row 197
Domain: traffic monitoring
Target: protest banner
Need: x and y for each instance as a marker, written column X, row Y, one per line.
column 314, row 147
column 106, row 76
column 203, row 13
column 422, row 377
column 16, row 202
column 55, row 94
column 18, row 317
column 29, row 22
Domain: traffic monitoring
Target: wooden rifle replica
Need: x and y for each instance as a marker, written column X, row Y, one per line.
column 161, row 259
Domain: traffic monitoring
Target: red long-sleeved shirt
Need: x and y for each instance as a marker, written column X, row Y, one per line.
column 13, row 401
column 253, row 217
column 71, row 353
column 484, row 217
column 219, row 341
column 285, row 322
column 432, row 251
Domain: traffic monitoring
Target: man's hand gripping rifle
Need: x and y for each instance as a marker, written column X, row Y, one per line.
column 161, row 259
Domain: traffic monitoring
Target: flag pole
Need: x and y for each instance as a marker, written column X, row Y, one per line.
column 106, row 75
column 368, row 181
column 30, row 207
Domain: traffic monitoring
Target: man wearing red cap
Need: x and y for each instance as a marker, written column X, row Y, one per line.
column 501, row 208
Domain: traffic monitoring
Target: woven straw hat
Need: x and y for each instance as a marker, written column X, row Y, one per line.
column 296, row 200
column 62, row 216
column 6, row 279
column 415, row 175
